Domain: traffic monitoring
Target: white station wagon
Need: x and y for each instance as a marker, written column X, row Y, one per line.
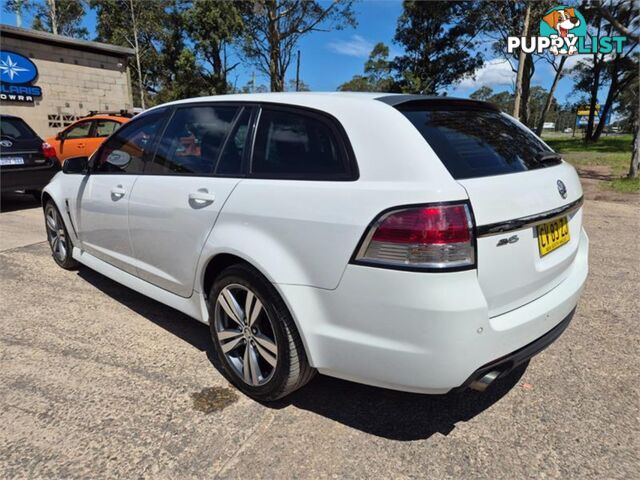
column 423, row 244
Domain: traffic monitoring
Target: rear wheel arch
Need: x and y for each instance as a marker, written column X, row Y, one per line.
column 219, row 262
column 215, row 266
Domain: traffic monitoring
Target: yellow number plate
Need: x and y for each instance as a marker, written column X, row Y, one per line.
column 552, row 235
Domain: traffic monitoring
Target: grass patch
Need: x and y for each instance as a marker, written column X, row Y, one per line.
column 625, row 185
column 608, row 144
column 613, row 151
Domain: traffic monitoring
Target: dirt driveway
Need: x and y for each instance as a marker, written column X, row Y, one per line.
column 97, row 381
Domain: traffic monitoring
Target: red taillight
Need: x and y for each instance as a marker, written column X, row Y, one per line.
column 438, row 225
column 438, row 236
column 48, row 150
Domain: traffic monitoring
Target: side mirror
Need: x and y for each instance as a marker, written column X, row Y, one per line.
column 59, row 136
column 76, row 165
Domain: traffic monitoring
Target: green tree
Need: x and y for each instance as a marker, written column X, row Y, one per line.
column 509, row 20
column 60, row 17
column 186, row 80
column 273, row 28
column 627, row 104
column 378, row 76
column 212, row 26
column 358, row 83
column 538, row 98
column 302, row 87
column 438, row 38
column 483, row 93
column 627, row 88
column 249, row 87
column 378, row 68
column 504, row 101
column 558, row 66
column 136, row 24
column 174, row 55
column 612, row 71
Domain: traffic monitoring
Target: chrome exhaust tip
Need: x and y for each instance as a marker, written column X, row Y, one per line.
column 482, row 383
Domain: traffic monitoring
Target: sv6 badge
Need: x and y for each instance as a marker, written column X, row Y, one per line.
column 505, row 241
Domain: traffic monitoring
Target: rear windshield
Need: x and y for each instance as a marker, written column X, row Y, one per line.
column 475, row 143
column 15, row 128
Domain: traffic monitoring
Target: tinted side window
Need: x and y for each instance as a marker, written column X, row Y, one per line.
column 79, row 131
column 230, row 162
column 130, row 147
column 297, row 145
column 104, row 128
column 193, row 139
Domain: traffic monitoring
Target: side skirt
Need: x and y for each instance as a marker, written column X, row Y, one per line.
column 193, row 306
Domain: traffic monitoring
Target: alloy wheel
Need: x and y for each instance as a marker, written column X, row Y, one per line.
column 56, row 234
column 246, row 334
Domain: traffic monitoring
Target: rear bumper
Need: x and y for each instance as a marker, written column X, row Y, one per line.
column 422, row 332
column 509, row 362
column 27, row 178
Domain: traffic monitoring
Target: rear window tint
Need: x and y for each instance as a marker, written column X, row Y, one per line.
column 297, row 145
column 15, row 128
column 478, row 143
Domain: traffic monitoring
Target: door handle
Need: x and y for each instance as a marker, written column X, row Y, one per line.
column 202, row 196
column 117, row 192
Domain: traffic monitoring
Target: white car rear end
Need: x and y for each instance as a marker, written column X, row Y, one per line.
column 422, row 244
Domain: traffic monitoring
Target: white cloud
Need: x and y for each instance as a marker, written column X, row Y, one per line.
column 356, row 46
column 496, row 72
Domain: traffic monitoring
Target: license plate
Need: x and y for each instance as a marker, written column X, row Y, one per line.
column 552, row 235
column 11, row 161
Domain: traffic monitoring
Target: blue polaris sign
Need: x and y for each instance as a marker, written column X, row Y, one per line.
column 17, row 72
column 16, row 69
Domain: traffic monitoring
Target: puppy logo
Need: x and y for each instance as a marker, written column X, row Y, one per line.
column 563, row 31
column 566, row 24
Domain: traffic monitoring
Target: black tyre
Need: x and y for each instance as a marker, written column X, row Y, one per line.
column 255, row 338
column 58, row 237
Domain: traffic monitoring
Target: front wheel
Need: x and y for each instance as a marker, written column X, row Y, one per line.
column 58, row 237
column 255, row 338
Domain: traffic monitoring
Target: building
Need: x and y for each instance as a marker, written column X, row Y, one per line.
column 50, row 80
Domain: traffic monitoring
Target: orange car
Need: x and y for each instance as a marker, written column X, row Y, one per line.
column 83, row 137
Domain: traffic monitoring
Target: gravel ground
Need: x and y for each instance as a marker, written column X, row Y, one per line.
column 98, row 381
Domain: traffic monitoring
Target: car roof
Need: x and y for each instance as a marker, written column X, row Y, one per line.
column 322, row 100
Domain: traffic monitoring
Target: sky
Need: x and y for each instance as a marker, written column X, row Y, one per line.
column 329, row 59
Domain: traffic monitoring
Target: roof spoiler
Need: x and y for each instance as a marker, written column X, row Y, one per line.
column 426, row 101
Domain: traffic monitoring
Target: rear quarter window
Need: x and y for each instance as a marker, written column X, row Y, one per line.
column 475, row 143
column 300, row 145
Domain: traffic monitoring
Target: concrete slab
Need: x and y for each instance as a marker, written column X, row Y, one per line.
column 21, row 221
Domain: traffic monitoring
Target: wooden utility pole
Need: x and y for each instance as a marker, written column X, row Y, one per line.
column 298, row 73
column 521, row 61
